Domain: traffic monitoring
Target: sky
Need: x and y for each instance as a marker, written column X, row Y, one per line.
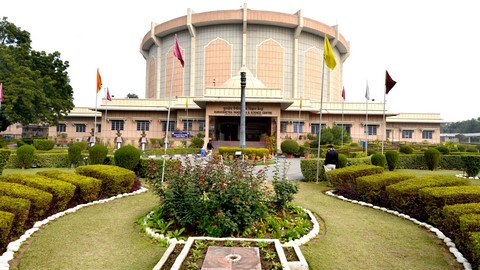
column 430, row 48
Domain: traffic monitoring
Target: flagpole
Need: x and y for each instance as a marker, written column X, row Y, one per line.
column 95, row 122
column 384, row 119
column 299, row 114
column 105, row 121
column 188, row 136
column 343, row 106
column 367, row 97
column 165, row 141
column 320, row 124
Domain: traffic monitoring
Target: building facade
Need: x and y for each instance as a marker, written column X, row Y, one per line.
column 289, row 92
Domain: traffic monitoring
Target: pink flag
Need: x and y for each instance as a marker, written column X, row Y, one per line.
column 108, row 95
column 1, row 92
column 177, row 51
column 343, row 93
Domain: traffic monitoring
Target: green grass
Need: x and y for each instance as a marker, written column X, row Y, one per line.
column 105, row 236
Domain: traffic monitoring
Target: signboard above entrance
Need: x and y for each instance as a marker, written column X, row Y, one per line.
column 250, row 111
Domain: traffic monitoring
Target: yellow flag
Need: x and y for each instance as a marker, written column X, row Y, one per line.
column 300, row 103
column 186, row 104
column 328, row 55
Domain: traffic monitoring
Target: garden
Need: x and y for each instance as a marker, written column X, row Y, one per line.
column 236, row 200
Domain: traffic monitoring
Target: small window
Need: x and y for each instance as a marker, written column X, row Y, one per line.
column 171, row 126
column 283, row 127
column 427, row 134
column 201, row 125
column 61, row 128
column 187, row 125
column 372, row 129
column 118, row 124
column 389, row 133
column 407, row 134
column 297, row 127
column 80, row 127
column 143, row 125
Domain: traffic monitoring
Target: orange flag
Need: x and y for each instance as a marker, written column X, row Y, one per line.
column 99, row 81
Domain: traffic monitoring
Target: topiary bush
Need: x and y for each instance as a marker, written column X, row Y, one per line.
column 4, row 157
column 289, row 146
column 471, row 165
column 25, row 155
column 197, row 142
column 378, row 160
column 406, row 149
column 43, row 144
column 74, row 154
column 443, row 149
column 432, row 158
column 127, row 157
column 97, row 154
column 392, row 159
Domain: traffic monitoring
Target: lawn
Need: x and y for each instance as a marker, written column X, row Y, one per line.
column 105, row 236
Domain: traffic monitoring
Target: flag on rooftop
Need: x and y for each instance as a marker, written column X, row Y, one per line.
column 343, row 93
column 367, row 93
column 177, row 51
column 109, row 98
column 389, row 82
column 99, row 81
column 328, row 55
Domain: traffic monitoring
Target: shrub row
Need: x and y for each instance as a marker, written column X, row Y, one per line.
column 115, row 180
column 371, row 188
column 345, row 179
column 249, row 151
column 40, row 200
column 87, row 188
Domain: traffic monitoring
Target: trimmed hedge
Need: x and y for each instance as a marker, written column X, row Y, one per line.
column 115, row 180
column 18, row 206
column 6, row 222
column 87, row 188
column 371, row 188
column 404, row 196
column 469, row 223
column 308, row 168
column 434, row 199
column 473, row 246
column 40, row 200
column 48, row 160
column 62, row 191
column 345, row 179
column 452, row 214
column 127, row 157
column 43, row 144
column 471, row 165
column 4, row 157
column 249, row 151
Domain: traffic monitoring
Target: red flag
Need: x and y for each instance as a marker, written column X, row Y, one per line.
column 108, row 95
column 177, row 51
column 99, row 81
column 343, row 93
column 389, row 82
column 1, row 92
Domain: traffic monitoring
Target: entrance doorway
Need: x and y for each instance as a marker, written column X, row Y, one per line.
column 227, row 128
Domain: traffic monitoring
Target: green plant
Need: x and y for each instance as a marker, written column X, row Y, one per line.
column 197, row 142
column 392, row 159
column 289, row 146
column 127, row 157
column 342, row 161
column 74, row 154
column 229, row 243
column 432, row 158
column 97, row 154
column 378, row 160
column 443, row 149
column 471, row 165
column 25, row 155
column 406, row 149
column 43, row 144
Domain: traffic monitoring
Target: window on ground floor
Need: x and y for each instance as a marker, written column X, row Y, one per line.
column 118, row 124
column 314, row 128
column 347, row 127
column 80, row 127
column 143, row 125
column 389, row 132
column 427, row 134
column 187, row 125
column 61, row 128
column 283, row 126
column 201, row 125
column 297, row 127
column 407, row 134
column 171, row 126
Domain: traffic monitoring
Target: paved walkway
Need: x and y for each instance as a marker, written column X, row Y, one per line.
column 293, row 168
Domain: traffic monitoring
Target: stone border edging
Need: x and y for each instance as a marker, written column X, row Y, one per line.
column 448, row 242
column 14, row 246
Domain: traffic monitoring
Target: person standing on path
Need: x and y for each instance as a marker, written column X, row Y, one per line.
column 209, row 148
column 331, row 159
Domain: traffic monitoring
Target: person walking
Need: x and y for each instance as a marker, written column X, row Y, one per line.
column 209, row 148
column 331, row 159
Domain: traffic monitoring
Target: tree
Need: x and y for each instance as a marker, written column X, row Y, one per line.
column 36, row 87
column 130, row 95
column 332, row 136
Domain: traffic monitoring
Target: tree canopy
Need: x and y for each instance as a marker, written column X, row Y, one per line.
column 467, row 126
column 131, row 95
column 36, row 87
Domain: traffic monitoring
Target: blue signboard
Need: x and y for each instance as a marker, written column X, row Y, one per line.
column 181, row 135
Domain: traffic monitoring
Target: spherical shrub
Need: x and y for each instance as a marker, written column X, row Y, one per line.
column 97, row 154
column 74, row 154
column 127, row 157
column 289, row 146
column 378, row 160
column 443, row 149
column 197, row 142
column 406, row 149
column 432, row 158
column 392, row 159
column 25, row 155
column 43, row 144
